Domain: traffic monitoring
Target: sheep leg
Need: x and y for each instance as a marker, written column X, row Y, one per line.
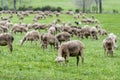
column 35, row 40
column 23, row 40
column 82, row 56
column 96, row 38
column 104, row 51
column 66, row 60
column 77, row 60
column 107, row 52
column 10, row 47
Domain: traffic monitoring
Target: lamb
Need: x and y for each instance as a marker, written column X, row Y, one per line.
column 63, row 36
column 108, row 46
column 6, row 39
column 93, row 33
column 73, row 48
column 31, row 36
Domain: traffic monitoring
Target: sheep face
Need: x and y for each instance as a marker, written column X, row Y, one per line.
column 108, row 46
column 59, row 59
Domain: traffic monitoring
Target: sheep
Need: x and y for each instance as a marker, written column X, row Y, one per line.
column 63, row 36
column 6, row 39
column 19, row 28
column 102, row 32
column 114, row 38
column 31, row 36
column 93, row 33
column 68, row 49
column 52, row 30
column 108, row 46
column 47, row 38
column 85, row 32
column 72, row 31
column 58, row 28
column 40, row 26
column 4, row 28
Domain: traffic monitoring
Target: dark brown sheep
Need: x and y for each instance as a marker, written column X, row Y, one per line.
column 6, row 39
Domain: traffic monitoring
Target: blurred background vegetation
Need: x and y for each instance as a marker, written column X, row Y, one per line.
column 108, row 6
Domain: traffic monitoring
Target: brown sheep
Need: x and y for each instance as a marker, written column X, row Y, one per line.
column 19, row 28
column 52, row 30
column 31, row 36
column 4, row 28
column 94, row 33
column 72, row 31
column 108, row 46
column 6, row 39
column 102, row 32
column 85, row 32
column 47, row 38
column 63, row 36
column 71, row 49
column 114, row 38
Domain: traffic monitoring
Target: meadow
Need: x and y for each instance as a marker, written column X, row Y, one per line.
column 30, row 62
column 108, row 5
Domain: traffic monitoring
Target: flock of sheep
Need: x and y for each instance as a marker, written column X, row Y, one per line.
column 57, row 34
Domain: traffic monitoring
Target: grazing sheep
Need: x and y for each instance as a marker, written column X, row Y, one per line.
column 41, row 26
column 71, row 49
column 31, row 36
column 85, row 32
column 93, row 33
column 63, row 36
column 19, row 28
column 72, row 31
column 58, row 28
column 52, row 30
column 108, row 46
column 47, row 38
column 102, row 32
column 4, row 28
column 6, row 39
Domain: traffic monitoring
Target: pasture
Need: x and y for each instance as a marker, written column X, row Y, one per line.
column 30, row 62
column 108, row 5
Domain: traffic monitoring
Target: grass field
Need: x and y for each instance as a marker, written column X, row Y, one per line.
column 30, row 62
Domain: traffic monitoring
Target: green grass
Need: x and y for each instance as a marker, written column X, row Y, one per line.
column 108, row 5
column 30, row 62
